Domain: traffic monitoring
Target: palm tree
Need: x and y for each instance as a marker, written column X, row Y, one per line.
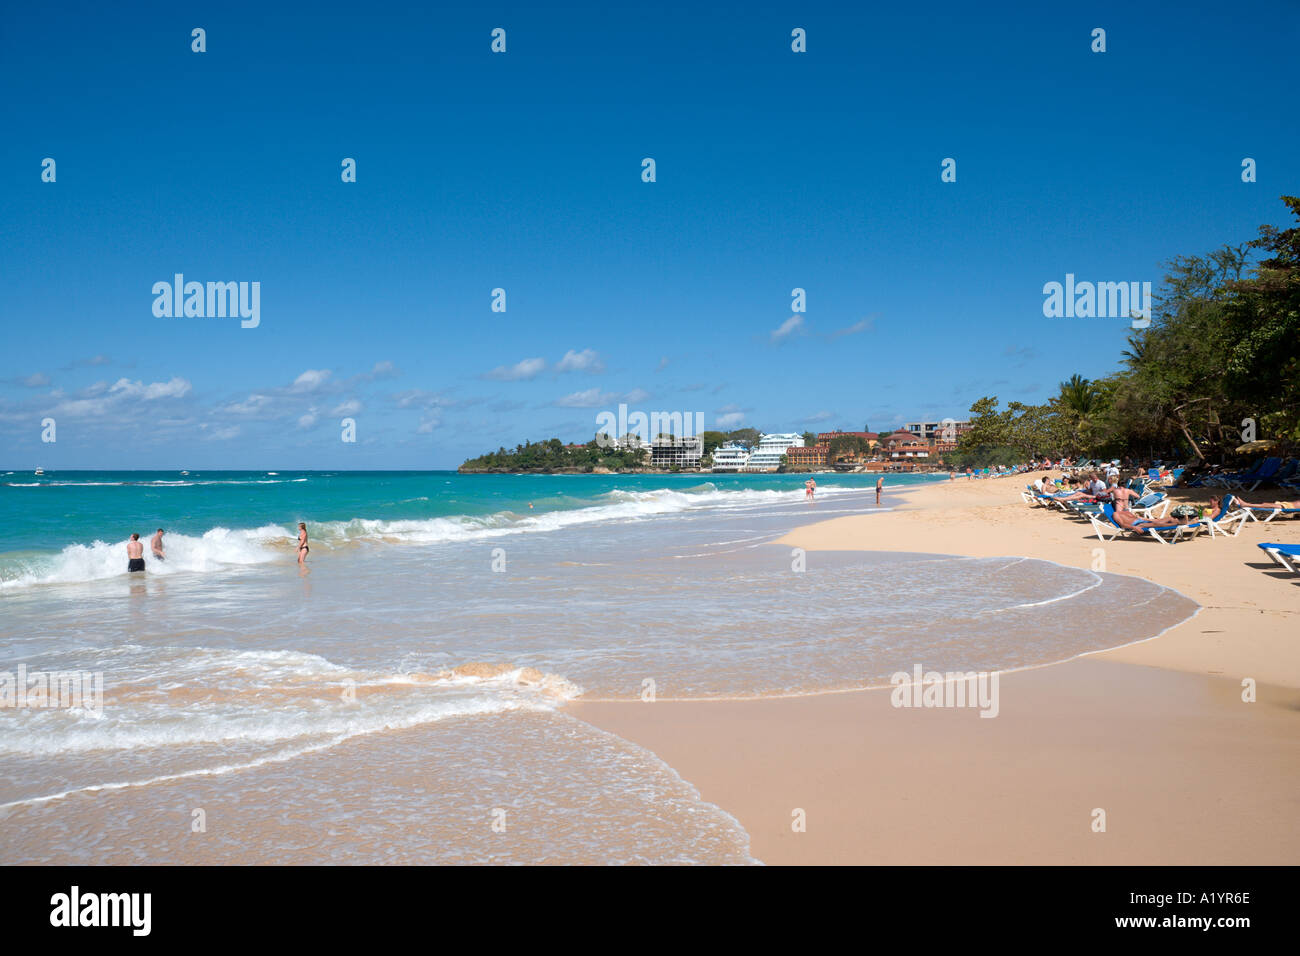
column 1078, row 400
column 1135, row 354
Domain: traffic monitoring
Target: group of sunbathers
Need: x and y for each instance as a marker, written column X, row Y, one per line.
column 1094, row 489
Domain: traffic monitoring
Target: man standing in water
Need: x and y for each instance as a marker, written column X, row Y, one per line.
column 134, row 554
column 156, row 545
column 880, row 484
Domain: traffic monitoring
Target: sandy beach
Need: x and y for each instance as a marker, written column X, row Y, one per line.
column 1156, row 734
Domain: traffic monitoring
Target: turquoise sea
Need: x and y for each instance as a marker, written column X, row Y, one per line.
column 402, row 699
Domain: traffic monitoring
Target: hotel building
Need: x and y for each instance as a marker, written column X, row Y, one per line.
column 677, row 452
column 732, row 456
column 767, row 456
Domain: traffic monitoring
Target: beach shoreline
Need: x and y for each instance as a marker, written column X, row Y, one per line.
column 1155, row 733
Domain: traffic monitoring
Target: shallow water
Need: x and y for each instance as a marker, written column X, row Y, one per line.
column 382, row 706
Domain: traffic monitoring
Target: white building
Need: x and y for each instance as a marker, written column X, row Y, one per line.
column 767, row 456
column 733, row 456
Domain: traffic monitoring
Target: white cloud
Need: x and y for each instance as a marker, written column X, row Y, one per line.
column 102, row 399
column 588, row 360
column 520, row 371
column 36, row 380
column 311, row 379
column 250, row 406
column 786, row 328
column 350, row 407
column 595, row 398
column 589, row 398
column 384, row 369
column 854, row 329
column 175, row 388
column 308, row 420
column 729, row 419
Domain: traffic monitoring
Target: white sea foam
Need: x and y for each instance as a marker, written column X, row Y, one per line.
column 218, row 548
column 172, row 697
column 223, row 548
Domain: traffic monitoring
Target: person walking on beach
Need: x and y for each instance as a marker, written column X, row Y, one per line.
column 880, row 484
column 134, row 553
column 302, row 544
column 810, row 489
column 156, row 545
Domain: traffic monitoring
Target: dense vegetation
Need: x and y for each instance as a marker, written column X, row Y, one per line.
column 554, row 455
column 1219, row 366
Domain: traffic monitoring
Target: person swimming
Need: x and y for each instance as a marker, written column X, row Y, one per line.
column 303, row 548
column 134, row 554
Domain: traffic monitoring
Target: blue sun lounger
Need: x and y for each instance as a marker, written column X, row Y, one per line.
column 1287, row 555
column 1265, row 513
column 1108, row 527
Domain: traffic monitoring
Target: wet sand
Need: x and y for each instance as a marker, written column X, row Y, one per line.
column 1155, row 734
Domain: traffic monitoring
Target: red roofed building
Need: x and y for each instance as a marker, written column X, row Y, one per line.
column 902, row 445
column 871, row 438
column 807, row 456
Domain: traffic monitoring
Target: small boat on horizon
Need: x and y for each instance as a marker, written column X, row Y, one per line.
column 39, row 471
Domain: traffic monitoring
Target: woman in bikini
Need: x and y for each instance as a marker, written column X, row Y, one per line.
column 302, row 544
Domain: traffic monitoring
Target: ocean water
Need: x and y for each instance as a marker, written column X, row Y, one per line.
column 403, row 700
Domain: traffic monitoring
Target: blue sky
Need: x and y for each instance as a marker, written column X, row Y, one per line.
column 522, row 171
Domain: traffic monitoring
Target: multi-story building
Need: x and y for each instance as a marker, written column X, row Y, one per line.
column 904, row 444
column 807, row 456
column 767, row 456
column 843, row 459
column 953, row 428
column 871, row 438
column 668, row 452
column 733, row 456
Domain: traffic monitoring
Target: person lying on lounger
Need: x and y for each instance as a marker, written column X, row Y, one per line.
column 1269, row 505
column 1091, row 491
column 1129, row 521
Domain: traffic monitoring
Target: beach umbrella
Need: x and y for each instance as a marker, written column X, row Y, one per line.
column 1262, row 444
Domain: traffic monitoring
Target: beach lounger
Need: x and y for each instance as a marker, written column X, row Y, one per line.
column 1266, row 470
column 1264, row 513
column 1108, row 529
column 1104, row 524
column 1230, row 514
column 1225, row 479
column 1149, row 504
column 1287, row 555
